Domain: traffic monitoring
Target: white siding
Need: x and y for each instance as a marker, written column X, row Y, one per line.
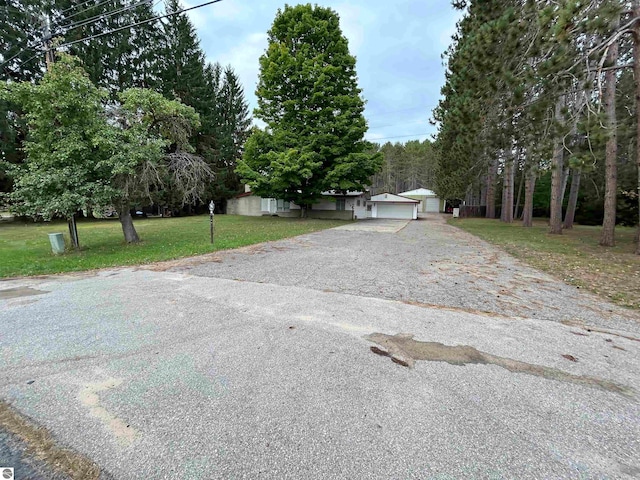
column 249, row 205
column 359, row 211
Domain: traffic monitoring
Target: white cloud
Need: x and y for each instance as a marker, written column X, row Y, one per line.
column 398, row 50
column 230, row 10
column 353, row 22
column 198, row 16
column 244, row 58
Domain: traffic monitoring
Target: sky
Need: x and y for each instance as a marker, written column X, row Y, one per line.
column 397, row 45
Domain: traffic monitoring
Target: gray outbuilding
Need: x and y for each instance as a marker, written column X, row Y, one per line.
column 429, row 201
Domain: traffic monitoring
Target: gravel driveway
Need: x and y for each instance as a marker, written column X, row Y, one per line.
column 427, row 262
column 424, row 353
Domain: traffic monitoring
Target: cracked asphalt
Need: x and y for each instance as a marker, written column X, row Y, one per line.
column 253, row 363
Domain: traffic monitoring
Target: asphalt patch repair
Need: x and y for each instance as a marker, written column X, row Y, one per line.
column 20, row 292
column 404, row 350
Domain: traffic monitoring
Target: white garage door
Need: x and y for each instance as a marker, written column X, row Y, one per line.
column 433, row 204
column 395, row 210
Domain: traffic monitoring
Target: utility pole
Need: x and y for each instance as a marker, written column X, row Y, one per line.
column 49, row 58
column 46, row 42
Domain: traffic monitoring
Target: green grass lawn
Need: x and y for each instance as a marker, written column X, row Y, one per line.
column 25, row 248
column 574, row 256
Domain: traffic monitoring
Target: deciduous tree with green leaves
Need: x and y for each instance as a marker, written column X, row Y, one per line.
column 309, row 98
column 152, row 155
column 67, row 140
column 80, row 153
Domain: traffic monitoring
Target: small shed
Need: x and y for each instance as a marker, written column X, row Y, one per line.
column 389, row 205
column 429, row 201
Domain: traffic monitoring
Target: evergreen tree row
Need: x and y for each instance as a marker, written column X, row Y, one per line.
column 538, row 89
column 162, row 55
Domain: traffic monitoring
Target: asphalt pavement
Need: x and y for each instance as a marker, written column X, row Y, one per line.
column 274, row 361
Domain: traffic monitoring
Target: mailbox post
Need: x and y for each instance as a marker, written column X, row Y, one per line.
column 212, row 207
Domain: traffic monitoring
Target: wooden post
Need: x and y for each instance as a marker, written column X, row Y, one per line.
column 212, row 207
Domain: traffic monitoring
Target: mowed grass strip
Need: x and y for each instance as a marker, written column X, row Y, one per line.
column 574, row 256
column 25, row 248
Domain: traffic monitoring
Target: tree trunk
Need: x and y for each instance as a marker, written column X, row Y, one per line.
column 130, row 234
column 636, row 74
column 557, row 177
column 73, row 232
column 491, row 189
column 573, row 198
column 530, row 186
column 607, row 237
column 506, row 215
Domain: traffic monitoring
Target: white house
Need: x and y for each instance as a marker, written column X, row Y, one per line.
column 334, row 205
column 429, row 201
column 389, row 205
column 273, row 206
column 353, row 204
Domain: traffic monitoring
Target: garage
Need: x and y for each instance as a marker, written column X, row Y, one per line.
column 389, row 205
column 429, row 201
column 395, row 211
column 432, row 205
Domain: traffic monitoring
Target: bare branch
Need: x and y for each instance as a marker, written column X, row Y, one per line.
column 190, row 175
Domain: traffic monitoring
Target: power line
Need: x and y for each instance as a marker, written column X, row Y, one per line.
column 28, row 47
column 166, row 15
column 138, row 23
column 401, row 136
column 77, row 6
column 28, row 59
column 397, row 124
column 32, row 45
column 80, row 12
column 102, row 16
column 422, row 107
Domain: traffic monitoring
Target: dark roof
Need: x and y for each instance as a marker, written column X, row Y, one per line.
column 245, row 194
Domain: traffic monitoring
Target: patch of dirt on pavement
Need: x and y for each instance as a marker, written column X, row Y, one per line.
column 404, row 350
column 40, row 443
column 182, row 263
column 20, row 292
column 119, row 428
column 456, row 309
